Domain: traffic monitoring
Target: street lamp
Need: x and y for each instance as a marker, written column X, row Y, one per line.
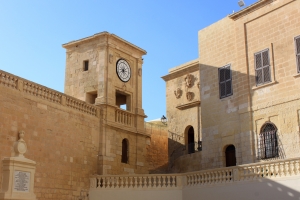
column 164, row 120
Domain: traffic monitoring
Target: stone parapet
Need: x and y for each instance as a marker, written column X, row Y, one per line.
column 248, row 172
column 37, row 90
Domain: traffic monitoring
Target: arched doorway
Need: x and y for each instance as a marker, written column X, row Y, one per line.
column 230, row 156
column 191, row 140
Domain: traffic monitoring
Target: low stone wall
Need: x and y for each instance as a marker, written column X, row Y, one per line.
column 266, row 180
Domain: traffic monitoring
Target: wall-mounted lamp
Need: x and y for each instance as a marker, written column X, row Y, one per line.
column 164, row 120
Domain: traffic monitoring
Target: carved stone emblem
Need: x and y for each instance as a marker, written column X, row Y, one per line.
column 178, row 93
column 189, row 96
column 20, row 146
column 140, row 72
column 189, row 80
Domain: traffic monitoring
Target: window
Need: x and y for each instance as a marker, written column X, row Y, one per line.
column 225, row 81
column 123, row 100
column 85, row 65
column 90, row 97
column 297, row 48
column 125, row 146
column 267, row 142
column 262, row 67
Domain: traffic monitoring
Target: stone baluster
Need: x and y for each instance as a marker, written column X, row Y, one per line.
column 122, row 182
column 297, row 167
column 154, row 181
column 99, row 183
column 131, row 182
column 146, row 182
column 272, row 171
column 168, row 181
column 281, row 172
column 286, row 168
column 134, row 184
column 126, row 182
column 117, row 182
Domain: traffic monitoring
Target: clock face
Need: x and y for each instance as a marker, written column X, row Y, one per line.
column 123, row 70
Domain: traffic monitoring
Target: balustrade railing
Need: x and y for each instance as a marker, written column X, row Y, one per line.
column 123, row 117
column 34, row 89
column 134, row 181
column 254, row 171
column 81, row 106
column 42, row 92
column 8, row 80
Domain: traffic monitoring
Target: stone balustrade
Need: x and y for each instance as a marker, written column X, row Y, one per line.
column 271, row 170
column 8, row 80
column 134, row 181
column 81, row 106
column 123, row 117
column 39, row 91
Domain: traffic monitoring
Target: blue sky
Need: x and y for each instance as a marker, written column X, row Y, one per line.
column 32, row 32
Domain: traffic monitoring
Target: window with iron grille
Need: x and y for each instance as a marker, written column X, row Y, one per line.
column 267, row 142
column 297, row 48
column 262, row 67
column 225, row 81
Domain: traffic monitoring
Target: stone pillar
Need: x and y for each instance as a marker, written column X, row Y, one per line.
column 18, row 174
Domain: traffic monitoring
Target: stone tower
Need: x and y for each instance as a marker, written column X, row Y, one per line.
column 106, row 70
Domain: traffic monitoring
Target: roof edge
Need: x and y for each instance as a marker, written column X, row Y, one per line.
column 250, row 9
column 74, row 42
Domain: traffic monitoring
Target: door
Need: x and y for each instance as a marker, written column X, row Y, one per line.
column 230, row 156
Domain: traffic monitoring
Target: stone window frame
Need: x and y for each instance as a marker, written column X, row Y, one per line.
column 262, row 67
column 297, row 52
column 225, row 83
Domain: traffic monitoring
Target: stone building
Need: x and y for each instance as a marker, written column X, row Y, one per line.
column 233, row 117
column 248, row 81
column 96, row 127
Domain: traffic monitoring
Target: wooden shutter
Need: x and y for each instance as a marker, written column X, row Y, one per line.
column 225, row 81
column 262, row 67
column 222, row 82
column 228, row 81
column 297, row 43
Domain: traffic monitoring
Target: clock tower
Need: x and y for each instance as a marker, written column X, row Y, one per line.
column 106, row 70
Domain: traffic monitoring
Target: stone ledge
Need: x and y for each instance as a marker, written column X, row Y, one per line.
column 188, row 105
column 264, row 85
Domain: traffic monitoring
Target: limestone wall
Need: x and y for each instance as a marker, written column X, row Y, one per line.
column 237, row 119
column 62, row 135
column 157, row 147
column 183, row 112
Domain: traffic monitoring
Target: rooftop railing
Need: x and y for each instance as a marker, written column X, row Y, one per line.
column 42, row 92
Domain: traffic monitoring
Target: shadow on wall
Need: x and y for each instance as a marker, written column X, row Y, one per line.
column 226, row 96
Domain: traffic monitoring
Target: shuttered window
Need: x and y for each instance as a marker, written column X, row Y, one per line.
column 262, row 67
column 225, row 81
column 297, row 48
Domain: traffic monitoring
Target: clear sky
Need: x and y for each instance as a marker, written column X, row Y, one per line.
column 32, row 32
